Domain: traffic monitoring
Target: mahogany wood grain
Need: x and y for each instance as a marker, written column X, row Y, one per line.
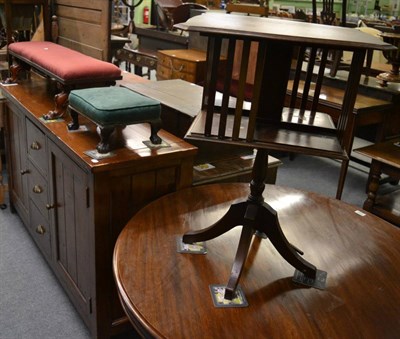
column 166, row 293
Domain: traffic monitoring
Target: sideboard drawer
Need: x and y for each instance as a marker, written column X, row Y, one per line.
column 184, row 64
column 165, row 73
column 178, row 65
column 36, row 144
column 40, row 230
column 38, row 190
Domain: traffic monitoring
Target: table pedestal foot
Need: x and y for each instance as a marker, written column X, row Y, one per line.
column 256, row 217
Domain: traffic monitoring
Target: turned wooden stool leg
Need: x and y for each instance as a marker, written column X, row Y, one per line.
column 74, row 125
column 61, row 105
column 155, row 126
column 14, row 71
column 104, row 145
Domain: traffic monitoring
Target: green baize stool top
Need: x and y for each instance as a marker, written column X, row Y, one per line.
column 114, row 106
column 109, row 107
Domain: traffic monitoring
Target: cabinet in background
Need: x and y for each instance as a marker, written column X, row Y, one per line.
column 184, row 64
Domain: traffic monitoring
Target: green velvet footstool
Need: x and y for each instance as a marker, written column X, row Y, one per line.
column 111, row 107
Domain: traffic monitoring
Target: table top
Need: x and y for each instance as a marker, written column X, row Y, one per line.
column 169, row 93
column 387, row 152
column 166, row 293
column 290, row 31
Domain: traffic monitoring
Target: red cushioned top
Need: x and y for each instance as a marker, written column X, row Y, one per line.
column 63, row 62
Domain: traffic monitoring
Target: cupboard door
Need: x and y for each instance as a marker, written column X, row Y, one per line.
column 72, row 220
column 18, row 170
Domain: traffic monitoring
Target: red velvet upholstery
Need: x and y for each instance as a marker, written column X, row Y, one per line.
column 63, row 62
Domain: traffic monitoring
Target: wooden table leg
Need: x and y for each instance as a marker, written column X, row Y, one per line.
column 373, row 185
column 253, row 215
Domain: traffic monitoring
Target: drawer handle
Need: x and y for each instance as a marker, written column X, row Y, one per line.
column 37, row 189
column 50, row 206
column 40, row 230
column 180, row 69
column 35, row 146
column 25, row 171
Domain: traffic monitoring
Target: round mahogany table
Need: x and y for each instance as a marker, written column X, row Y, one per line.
column 166, row 294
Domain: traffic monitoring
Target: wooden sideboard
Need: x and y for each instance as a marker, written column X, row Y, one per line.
column 74, row 206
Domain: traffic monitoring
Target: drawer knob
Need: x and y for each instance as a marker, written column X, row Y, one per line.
column 37, row 189
column 40, row 230
column 25, row 171
column 35, row 146
column 50, row 206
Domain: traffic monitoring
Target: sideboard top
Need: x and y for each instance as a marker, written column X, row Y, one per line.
column 34, row 97
column 292, row 31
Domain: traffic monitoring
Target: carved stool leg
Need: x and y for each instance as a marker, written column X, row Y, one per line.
column 155, row 126
column 74, row 125
column 104, row 145
column 14, row 71
column 61, row 105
